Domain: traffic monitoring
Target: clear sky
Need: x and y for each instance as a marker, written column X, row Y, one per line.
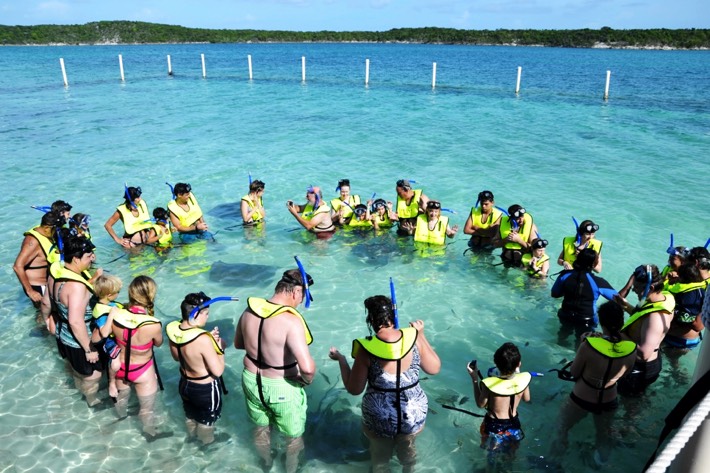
column 367, row 15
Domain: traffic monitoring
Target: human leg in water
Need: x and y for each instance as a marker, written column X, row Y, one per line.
column 262, row 442
column 294, row 447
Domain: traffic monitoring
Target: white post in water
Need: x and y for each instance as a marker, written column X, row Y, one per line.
column 249, row 62
column 204, row 71
column 517, row 84
column 120, row 66
column 303, row 68
column 606, row 88
column 433, row 76
column 64, row 72
column 367, row 71
column 170, row 66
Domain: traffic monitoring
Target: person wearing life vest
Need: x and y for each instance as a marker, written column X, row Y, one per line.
column 602, row 359
column 186, row 215
column 394, row 407
column 277, row 365
column 71, row 293
column 501, row 395
column 343, row 206
column 431, row 228
column 37, row 252
column 137, row 331
column 161, row 235
column 410, row 203
column 647, row 326
column 359, row 219
column 201, row 357
column 314, row 215
column 580, row 290
column 537, row 263
column 106, row 289
column 483, row 222
column 252, row 204
column 572, row 245
column 380, row 214
column 689, row 293
column 515, row 235
column 133, row 212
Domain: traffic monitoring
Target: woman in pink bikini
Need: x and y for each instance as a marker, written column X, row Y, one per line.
column 137, row 331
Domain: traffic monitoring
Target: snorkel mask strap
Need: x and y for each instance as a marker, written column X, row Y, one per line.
column 196, row 310
column 304, row 277
column 576, row 227
column 128, row 196
column 172, row 189
column 394, row 304
column 60, row 245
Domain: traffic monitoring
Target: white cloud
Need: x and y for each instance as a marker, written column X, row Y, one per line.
column 52, row 7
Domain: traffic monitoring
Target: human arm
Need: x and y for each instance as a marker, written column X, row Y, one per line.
column 577, row 367
column 354, row 379
column 423, row 201
column 391, row 213
column 77, row 298
column 526, row 394
column 605, row 289
column 627, row 287
column 214, row 362
column 480, row 391
column 451, row 231
column 430, row 362
column 246, row 211
column 307, row 224
column 558, row 288
column 598, row 264
column 156, row 333
column 198, row 225
column 468, row 227
column 115, row 217
column 296, row 344
column 105, row 329
column 239, row 336
column 29, row 250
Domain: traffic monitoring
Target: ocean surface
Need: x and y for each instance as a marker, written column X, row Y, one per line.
column 636, row 164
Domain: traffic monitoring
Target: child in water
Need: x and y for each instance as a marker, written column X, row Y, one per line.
column 161, row 234
column 500, row 395
column 380, row 214
column 106, row 288
column 537, row 263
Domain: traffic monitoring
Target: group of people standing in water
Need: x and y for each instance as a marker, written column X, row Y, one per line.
column 96, row 334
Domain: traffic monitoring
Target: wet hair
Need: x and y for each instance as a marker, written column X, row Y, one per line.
column 585, row 260
column 75, row 246
column 516, row 211
column 256, row 186
column 141, row 292
column 538, row 243
column 611, row 317
column 641, row 276
column 343, row 183
column 60, row 206
column 290, row 280
column 160, row 214
column 52, row 219
column 379, row 312
column 182, row 188
column 507, row 358
column 107, row 284
column 700, row 256
column 191, row 301
column 131, row 193
column 404, row 184
column 689, row 272
column 486, row 196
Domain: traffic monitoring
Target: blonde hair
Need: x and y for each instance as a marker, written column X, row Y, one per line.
column 141, row 292
column 107, row 284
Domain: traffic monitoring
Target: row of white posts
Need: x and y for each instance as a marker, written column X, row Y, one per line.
column 303, row 72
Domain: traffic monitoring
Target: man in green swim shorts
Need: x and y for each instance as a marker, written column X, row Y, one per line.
column 277, row 366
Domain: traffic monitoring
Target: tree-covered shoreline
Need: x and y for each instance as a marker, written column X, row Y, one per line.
column 135, row 32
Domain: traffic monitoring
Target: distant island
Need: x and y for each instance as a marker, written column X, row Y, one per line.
column 136, row 32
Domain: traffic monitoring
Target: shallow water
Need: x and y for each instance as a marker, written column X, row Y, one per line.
column 634, row 164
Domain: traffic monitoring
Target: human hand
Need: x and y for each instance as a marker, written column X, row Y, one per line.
column 126, row 243
column 418, row 324
column 34, row 295
column 472, row 368
column 334, row 354
column 566, row 265
column 99, row 272
column 92, row 357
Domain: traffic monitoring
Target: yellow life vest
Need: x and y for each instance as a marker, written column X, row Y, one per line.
column 411, row 210
column 680, row 288
column 422, row 234
column 60, row 273
column 127, row 319
column 524, row 232
column 610, row 349
column 256, row 214
column 666, row 305
column 182, row 336
column 353, row 200
column 534, row 272
column 265, row 309
column 189, row 217
column 309, row 213
column 508, row 387
column 569, row 250
column 357, row 223
column 476, row 216
column 383, row 222
column 101, row 309
column 383, row 350
column 165, row 235
column 131, row 223
column 51, row 253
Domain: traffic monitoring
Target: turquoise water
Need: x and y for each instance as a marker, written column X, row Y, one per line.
column 636, row 165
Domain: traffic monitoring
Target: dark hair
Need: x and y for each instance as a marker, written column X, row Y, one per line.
column 256, row 186
column 587, row 226
column 585, row 260
column 611, row 317
column 60, row 206
column 641, row 276
column 516, row 211
column 75, row 246
column 485, row 196
column 404, row 184
column 689, row 272
column 343, row 182
column 77, row 219
column 191, row 301
column 160, row 214
column 379, row 312
column 701, row 256
column 182, row 188
column 130, row 194
column 290, row 280
column 52, row 219
column 507, row 358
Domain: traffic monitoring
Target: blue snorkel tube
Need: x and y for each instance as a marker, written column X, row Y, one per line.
column 128, row 196
column 42, row 208
column 579, row 237
column 707, row 243
column 671, row 247
column 172, row 189
column 195, row 310
column 514, row 224
column 394, row 304
column 647, row 290
column 306, row 290
column 448, row 210
column 250, row 178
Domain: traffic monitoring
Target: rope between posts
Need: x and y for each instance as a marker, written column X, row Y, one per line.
column 680, row 439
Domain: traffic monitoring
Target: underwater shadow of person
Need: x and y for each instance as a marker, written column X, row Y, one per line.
column 242, row 273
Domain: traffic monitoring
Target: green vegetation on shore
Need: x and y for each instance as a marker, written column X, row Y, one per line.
column 131, row 32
